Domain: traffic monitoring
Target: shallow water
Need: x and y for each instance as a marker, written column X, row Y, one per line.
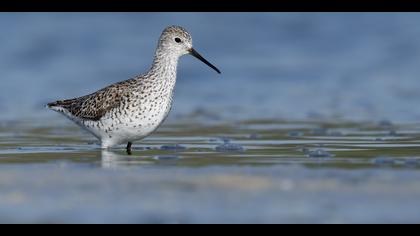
column 262, row 171
column 314, row 119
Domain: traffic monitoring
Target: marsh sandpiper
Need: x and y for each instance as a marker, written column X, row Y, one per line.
column 130, row 110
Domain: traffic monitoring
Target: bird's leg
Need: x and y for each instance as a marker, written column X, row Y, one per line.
column 129, row 148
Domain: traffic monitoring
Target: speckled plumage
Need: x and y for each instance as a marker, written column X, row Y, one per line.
column 132, row 109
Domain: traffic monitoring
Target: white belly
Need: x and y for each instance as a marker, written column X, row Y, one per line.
column 120, row 128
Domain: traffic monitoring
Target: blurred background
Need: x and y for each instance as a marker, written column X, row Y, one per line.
column 355, row 66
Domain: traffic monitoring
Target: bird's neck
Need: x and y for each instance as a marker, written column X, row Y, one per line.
column 164, row 65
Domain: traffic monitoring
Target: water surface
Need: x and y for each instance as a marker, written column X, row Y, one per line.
column 263, row 171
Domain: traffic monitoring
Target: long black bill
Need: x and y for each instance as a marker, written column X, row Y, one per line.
column 199, row 57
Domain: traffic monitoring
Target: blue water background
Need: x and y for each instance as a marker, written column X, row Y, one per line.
column 354, row 66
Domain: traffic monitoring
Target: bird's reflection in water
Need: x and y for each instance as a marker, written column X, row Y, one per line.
column 113, row 160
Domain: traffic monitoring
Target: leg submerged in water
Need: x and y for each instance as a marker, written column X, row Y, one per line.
column 129, row 148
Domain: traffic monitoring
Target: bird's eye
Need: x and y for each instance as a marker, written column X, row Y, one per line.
column 178, row 40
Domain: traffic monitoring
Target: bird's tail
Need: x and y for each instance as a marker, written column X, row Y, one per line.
column 51, row 105
column 54, row 106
